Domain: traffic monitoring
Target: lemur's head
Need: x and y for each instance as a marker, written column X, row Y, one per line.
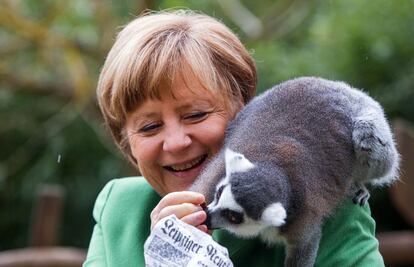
column 246, row 200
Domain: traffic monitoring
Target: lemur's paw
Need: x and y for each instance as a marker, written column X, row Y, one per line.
column 361, row 196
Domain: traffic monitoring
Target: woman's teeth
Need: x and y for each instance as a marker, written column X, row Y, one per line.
column 182, row 167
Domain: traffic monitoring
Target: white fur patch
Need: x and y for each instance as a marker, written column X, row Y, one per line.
column 274, row 214
column 236, row 162
column 227, row 200
column 249, row 228
column 271, row 236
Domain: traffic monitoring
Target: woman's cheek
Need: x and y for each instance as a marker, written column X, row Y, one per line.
column 214, row 133
column 144, row 150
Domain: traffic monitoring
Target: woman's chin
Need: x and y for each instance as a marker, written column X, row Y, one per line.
column 182, row 180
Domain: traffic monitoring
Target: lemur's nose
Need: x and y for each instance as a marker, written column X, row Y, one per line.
column 210, row 214
column 207, row 222
column 210, row 221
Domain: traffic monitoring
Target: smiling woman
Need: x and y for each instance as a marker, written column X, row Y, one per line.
column 169, row 86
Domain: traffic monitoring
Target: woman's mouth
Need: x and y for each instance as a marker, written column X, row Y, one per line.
column 188, row 165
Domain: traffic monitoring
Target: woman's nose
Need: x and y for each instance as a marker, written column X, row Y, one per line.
column 176, row 140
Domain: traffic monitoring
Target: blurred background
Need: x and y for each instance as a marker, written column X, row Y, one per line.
column 51, row 51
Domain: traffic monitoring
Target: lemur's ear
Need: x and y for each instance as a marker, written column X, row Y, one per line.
column 236, row 162
column 274, row 214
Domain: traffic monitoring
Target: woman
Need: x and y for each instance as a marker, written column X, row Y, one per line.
column 169, row 86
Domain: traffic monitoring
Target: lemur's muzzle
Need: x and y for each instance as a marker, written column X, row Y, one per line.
column 207, row 222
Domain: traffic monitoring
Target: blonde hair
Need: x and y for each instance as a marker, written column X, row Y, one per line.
column 152, row 49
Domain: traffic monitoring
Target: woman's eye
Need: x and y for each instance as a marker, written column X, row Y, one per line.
column 150, row 127
column 195, row 116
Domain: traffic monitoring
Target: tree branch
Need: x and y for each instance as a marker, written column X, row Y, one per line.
column 242, row 17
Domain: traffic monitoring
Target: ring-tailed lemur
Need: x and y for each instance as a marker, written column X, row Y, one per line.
column 291, row 156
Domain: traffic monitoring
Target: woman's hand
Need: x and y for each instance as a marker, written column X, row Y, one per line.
column 185, row 205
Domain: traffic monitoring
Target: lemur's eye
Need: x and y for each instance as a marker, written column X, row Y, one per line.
column 233, row 217
column 219, row 191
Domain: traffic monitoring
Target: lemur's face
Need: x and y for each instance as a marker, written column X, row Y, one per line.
column 224, row 212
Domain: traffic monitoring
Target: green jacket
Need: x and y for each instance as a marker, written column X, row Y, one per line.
column 122, row 213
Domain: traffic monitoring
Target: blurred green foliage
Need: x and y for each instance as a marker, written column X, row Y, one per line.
column 51, row 52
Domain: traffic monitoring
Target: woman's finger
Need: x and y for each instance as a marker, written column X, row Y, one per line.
column 204, row 229
column 176, row 198
column 180, row 211
column 195, row 219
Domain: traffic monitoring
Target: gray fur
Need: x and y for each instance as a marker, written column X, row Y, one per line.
column 313, row 142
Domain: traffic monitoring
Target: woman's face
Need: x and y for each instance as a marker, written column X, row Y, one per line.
column 173, row 137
